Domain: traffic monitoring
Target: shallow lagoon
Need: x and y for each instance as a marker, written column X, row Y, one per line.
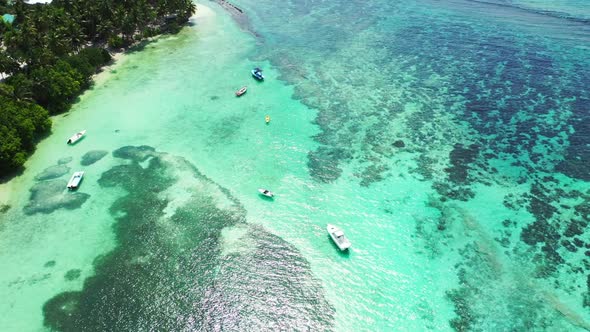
column 430, row 134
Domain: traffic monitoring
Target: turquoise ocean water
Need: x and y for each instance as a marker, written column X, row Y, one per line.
column 449, row 139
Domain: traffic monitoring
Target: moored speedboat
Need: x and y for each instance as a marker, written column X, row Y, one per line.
column 74, row 182
column 257, row 73
column 76, row 137
column 241, row 91
column 338, row 237
column 266, row 192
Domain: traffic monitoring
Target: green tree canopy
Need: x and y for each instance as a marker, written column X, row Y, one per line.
column 47, row 56
column 21, row 124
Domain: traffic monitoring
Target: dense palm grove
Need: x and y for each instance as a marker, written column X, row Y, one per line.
column 49, row 53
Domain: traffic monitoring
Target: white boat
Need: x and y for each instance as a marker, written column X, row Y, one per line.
column 76, row 137
column 241, row 91
column 338, row 237
column 75, row 180
column 266, row 193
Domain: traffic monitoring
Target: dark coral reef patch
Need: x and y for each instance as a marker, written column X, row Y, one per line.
column 297, row 304
column 51, row 195
column 72, row 274
column 64, row 160
column 165, row 269
column 53, row 172
column 93, row 156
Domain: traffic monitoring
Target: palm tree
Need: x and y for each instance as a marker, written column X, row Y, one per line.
column 8, row 66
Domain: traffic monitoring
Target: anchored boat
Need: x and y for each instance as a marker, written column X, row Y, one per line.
column 338, row 237
column 76, row 137
column 74, row 182
column 266, row 192
column 267, row 119
column 241, row 91
column 257, row 73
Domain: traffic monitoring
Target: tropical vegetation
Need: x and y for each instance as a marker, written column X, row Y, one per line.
column 49, row 53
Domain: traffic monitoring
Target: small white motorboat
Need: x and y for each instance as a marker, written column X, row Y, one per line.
column 76, row 137
column 266, row 193
column 338, row 237
column 75, row 180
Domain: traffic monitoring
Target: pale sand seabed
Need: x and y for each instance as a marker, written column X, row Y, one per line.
column 6, row 192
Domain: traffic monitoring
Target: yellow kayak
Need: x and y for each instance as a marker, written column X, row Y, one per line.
column 267, row 119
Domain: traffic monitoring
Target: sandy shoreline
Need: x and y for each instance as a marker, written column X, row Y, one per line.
column 5, row 191
column 120, row 57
